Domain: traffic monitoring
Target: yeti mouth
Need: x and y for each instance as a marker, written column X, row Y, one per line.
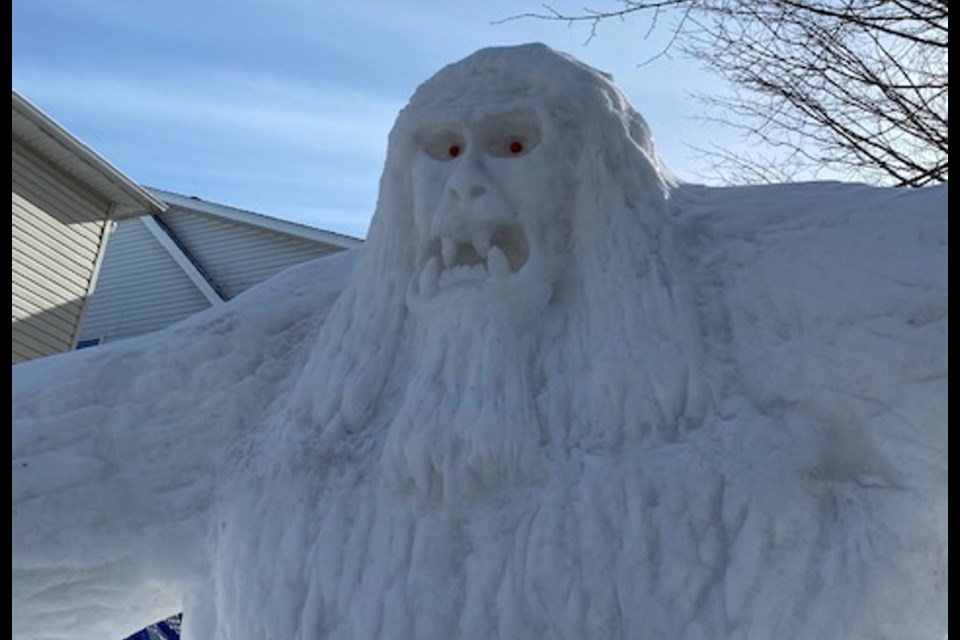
column 486, row 256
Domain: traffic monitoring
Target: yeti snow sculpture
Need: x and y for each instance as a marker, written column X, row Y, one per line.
column 556, row 395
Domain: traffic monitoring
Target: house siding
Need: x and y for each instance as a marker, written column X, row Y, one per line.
column 58, row 228
column 141, row 288
column 237, row 256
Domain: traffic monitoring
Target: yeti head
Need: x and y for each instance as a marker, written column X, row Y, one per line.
column 498, row 154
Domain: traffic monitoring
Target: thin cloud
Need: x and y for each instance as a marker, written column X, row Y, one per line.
column 224, row 104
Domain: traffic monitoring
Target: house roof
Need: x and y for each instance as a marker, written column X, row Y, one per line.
column 159, row 269
column 48, row 138
column 255, row 219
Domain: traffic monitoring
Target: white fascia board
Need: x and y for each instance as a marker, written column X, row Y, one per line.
column 182, row 260
column 256, row 219
column 138, row 200
column 105, row 232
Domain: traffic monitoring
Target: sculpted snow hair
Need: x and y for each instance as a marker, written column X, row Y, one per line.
column 535, row 285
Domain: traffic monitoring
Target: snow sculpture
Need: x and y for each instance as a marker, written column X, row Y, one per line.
column 556, row 394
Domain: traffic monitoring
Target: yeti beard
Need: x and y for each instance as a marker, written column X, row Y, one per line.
column 484, row 392
column 483, row 389
column 466, row 420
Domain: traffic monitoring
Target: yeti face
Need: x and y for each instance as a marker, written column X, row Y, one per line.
column 488, row 196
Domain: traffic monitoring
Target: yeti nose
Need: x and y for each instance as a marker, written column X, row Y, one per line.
column 470, row 181
column 475, row 191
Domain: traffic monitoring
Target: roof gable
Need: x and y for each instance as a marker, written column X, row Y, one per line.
column 47, row 138
column 312, row 234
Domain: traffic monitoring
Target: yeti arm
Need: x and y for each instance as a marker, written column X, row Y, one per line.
column 831, row 317
column 836, row 299
column 115, row 452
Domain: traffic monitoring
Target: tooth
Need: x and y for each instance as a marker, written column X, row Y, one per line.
column 481, row 242
column 448, row 249
column 497, row 265
column 428, row 279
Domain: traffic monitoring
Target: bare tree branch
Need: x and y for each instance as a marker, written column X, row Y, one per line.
column 859, row 86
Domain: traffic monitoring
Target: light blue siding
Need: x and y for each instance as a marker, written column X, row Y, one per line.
column 237, row 256
column 141, row 288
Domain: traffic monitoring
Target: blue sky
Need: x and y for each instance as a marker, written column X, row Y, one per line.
column 284, row 107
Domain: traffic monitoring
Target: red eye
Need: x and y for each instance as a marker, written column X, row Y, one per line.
column 454, row 150
column 516, row 147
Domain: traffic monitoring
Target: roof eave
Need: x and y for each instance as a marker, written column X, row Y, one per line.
column 129, row 199
column 287, row 227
